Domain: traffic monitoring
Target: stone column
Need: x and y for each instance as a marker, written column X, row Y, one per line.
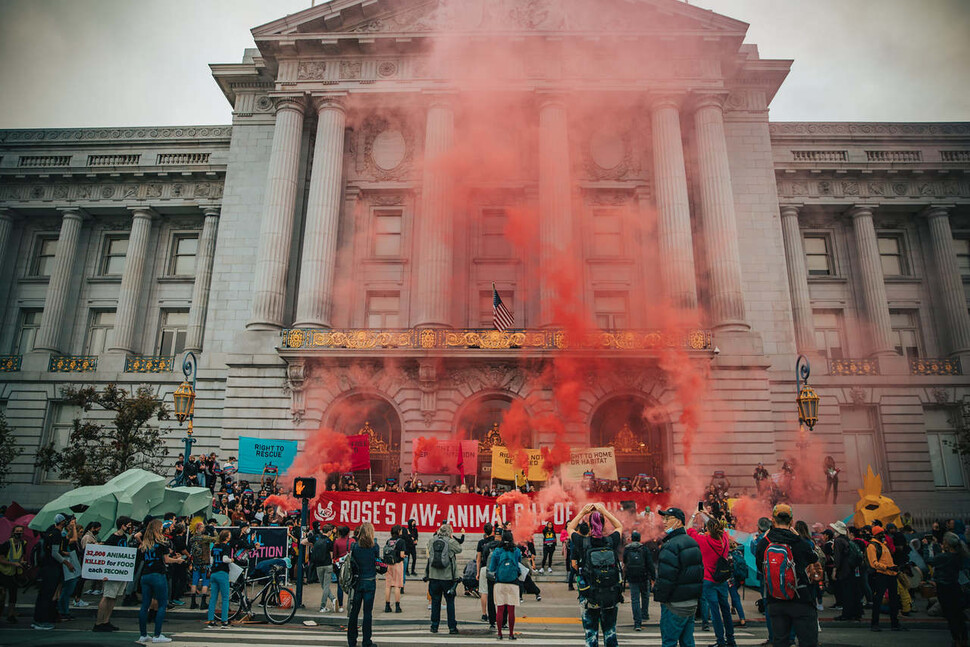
column 436, row 225
column 717, row 206
column 673, row 227
column 873, row 286
column 203, row 278
column 279, row 210
column 950, row 290
column 59, row 285
column 323, row 213
column 555, row 212
column 7, row 218
column 798, row 279
column 129, row 296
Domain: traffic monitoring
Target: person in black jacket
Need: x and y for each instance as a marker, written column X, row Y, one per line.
column 639, row 573
column 680, row 577
column 799, row 613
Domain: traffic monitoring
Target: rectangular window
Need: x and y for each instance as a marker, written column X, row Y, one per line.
column 494, row 242
column 829, row 336
column 383, row 310
column 100, row 327
column 485, row 306
column 184, row 250
column 29, row 325
column 607, row 234
column 817, row 256
column 113, row 256
column 42, row 260
column 891, row 255
column 387, row 233
column 859, row 439
column 941, row 435
column 961, row 247
column 61, row 425
column 611, row 309
column 906, row 337
column 171, row 332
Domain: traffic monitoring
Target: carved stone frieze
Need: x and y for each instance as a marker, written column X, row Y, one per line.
column 610, row 197
column 881, row 188
column 311, row 70
column 111, row 191
column 814, row 128
column 504, row 377
column 350, row 70
column 609, row 154
column 109, row 134
column 387, row 151
column 857, row 395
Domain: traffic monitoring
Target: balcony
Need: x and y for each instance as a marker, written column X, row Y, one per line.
column 849, row 367
column 149, row 364
column 935, row 367
column 73, row 364
column 10, row 363
column 487, row 339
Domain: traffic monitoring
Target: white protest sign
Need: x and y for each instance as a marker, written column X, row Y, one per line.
column 114, row 563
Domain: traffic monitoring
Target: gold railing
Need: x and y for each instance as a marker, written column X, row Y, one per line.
column 935, row 367
column 10, row 363
column 149, row 364
column 854, row 366
column 553, row 339
column 73, row 364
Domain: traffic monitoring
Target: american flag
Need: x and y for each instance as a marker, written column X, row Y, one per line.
column 502, row 319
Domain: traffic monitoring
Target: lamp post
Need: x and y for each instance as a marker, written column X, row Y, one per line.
column 807, row 398
column 184, row 397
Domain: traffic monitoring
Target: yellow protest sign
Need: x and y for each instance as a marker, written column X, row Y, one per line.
column 599, row 460
column 503, row 467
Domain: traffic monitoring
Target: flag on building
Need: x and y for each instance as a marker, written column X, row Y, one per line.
column 502, row 319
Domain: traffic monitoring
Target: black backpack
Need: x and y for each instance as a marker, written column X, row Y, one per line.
column 601, row 574
column 320, row 552
column 636, row 563
column 390, row 555
column 723, row 568
column 439, row 553
column 854, row 555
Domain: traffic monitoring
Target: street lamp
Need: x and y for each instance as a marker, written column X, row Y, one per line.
column 807, row 397
column 184, row 397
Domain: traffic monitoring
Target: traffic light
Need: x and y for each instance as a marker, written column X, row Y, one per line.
column 304, row 487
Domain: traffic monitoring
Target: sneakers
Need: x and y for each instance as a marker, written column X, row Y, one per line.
column 325, row 609
column 819, row 607
column 93, row 592
column 161, row 638
column 342, row 609
column 80, row 604
column 212, row 625
column 225, row 625
column 144, row 640
column 453, row 632
column 179, row 603
column 538, row 598
column 42, row 626
column 484, row 618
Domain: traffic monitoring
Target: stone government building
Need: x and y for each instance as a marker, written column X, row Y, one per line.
column 120, row 248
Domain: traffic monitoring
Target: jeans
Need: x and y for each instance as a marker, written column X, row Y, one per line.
column 363, row 598
column 220, row 585
column 437, row 588
column 736, row 599
column 882, row 583
column 323, row 574
column 717, row 600
column 404, row 575
column 153, row 585
column 764, row 596
column 594, row 619
column 676, row 629
column 340, row 595
column 800, row 617
column 640, row 601
column 67, row 591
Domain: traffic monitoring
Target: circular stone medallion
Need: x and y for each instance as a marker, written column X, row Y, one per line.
column 389, row 149
column 607, row 149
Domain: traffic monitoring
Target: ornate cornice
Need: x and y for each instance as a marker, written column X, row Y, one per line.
column 816, row 128
column 34, row 136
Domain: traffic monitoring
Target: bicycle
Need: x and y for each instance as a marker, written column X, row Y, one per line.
column 278, row 602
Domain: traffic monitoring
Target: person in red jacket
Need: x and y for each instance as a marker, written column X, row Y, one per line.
column 714, row 544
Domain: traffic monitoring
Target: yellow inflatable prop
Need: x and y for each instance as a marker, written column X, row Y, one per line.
column 873, row 505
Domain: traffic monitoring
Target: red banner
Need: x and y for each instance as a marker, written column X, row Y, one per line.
column 359, row 452
column 465, row 512
column 433, row 456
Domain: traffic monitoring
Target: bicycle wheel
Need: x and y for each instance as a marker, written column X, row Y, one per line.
column 279, row 605
column 236, row 604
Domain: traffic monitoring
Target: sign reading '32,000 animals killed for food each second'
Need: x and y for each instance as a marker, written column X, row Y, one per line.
column 115, row 563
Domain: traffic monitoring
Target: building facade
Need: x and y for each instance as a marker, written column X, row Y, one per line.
column 330, row 256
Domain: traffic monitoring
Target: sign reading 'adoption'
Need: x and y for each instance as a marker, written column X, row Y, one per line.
column 114, row 563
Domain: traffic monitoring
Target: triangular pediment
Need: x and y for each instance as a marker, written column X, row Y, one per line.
column 378, row 18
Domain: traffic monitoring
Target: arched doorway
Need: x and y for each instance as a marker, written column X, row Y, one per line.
column 376, row 417
column 640, row 445
column 481, row 420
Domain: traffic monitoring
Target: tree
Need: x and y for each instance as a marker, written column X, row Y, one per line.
column 96, row 453
column 8, row 450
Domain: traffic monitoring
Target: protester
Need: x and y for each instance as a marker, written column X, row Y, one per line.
column 442, row 575
column 486, row 584
column 365, row 556
column 599, row 571
column 411, row 538
column 200, row 554
column 219, row 577
column 68, row 549
column 831, row 478
column 341, row 546
column 548, row 547
column 715, row 551
column 179, row 573
column 736, row 582
column 395, row 550
column 321, row 561
column 503, row 569
column 792, row 602
column 947, row 567
column 884, row 572
column 88, row 537
column 639, row 572
column 680, row 577
column 13, row 562
column 528, row 560
column 111, row 589
column 847, row 558
column 156, row 554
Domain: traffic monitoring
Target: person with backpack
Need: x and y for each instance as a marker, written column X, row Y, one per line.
column 716, row 556
column 442, row 576
column 363, row 561
column 486, row 545
column 321, row 560
column 341, row 546
column 503, row 570
column 739, row 573
column 947, row 569
column 847, row 559
column 638, row 572
column 598, row 571
column 679, row 584
column 395, row 550
column 884, row 572
column 783, row 559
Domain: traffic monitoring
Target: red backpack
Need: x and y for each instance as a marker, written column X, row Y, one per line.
column 779, row 572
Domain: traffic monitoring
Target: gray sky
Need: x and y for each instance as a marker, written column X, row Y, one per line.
column 69, row 63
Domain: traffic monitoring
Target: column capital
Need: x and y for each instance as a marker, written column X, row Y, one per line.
column 142, row 211
column 8, row 214
column 211, row 210
column 791, row 209
column 335, row 101
column 440, row 98
column 290, row 102
column 708, row 99
column 547, row 98
column 73, row 212
column 662, row 100
column 857, row 210
column 936, row 211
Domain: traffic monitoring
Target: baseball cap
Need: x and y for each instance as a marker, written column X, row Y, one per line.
column 674, row 512
column 782, row 510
